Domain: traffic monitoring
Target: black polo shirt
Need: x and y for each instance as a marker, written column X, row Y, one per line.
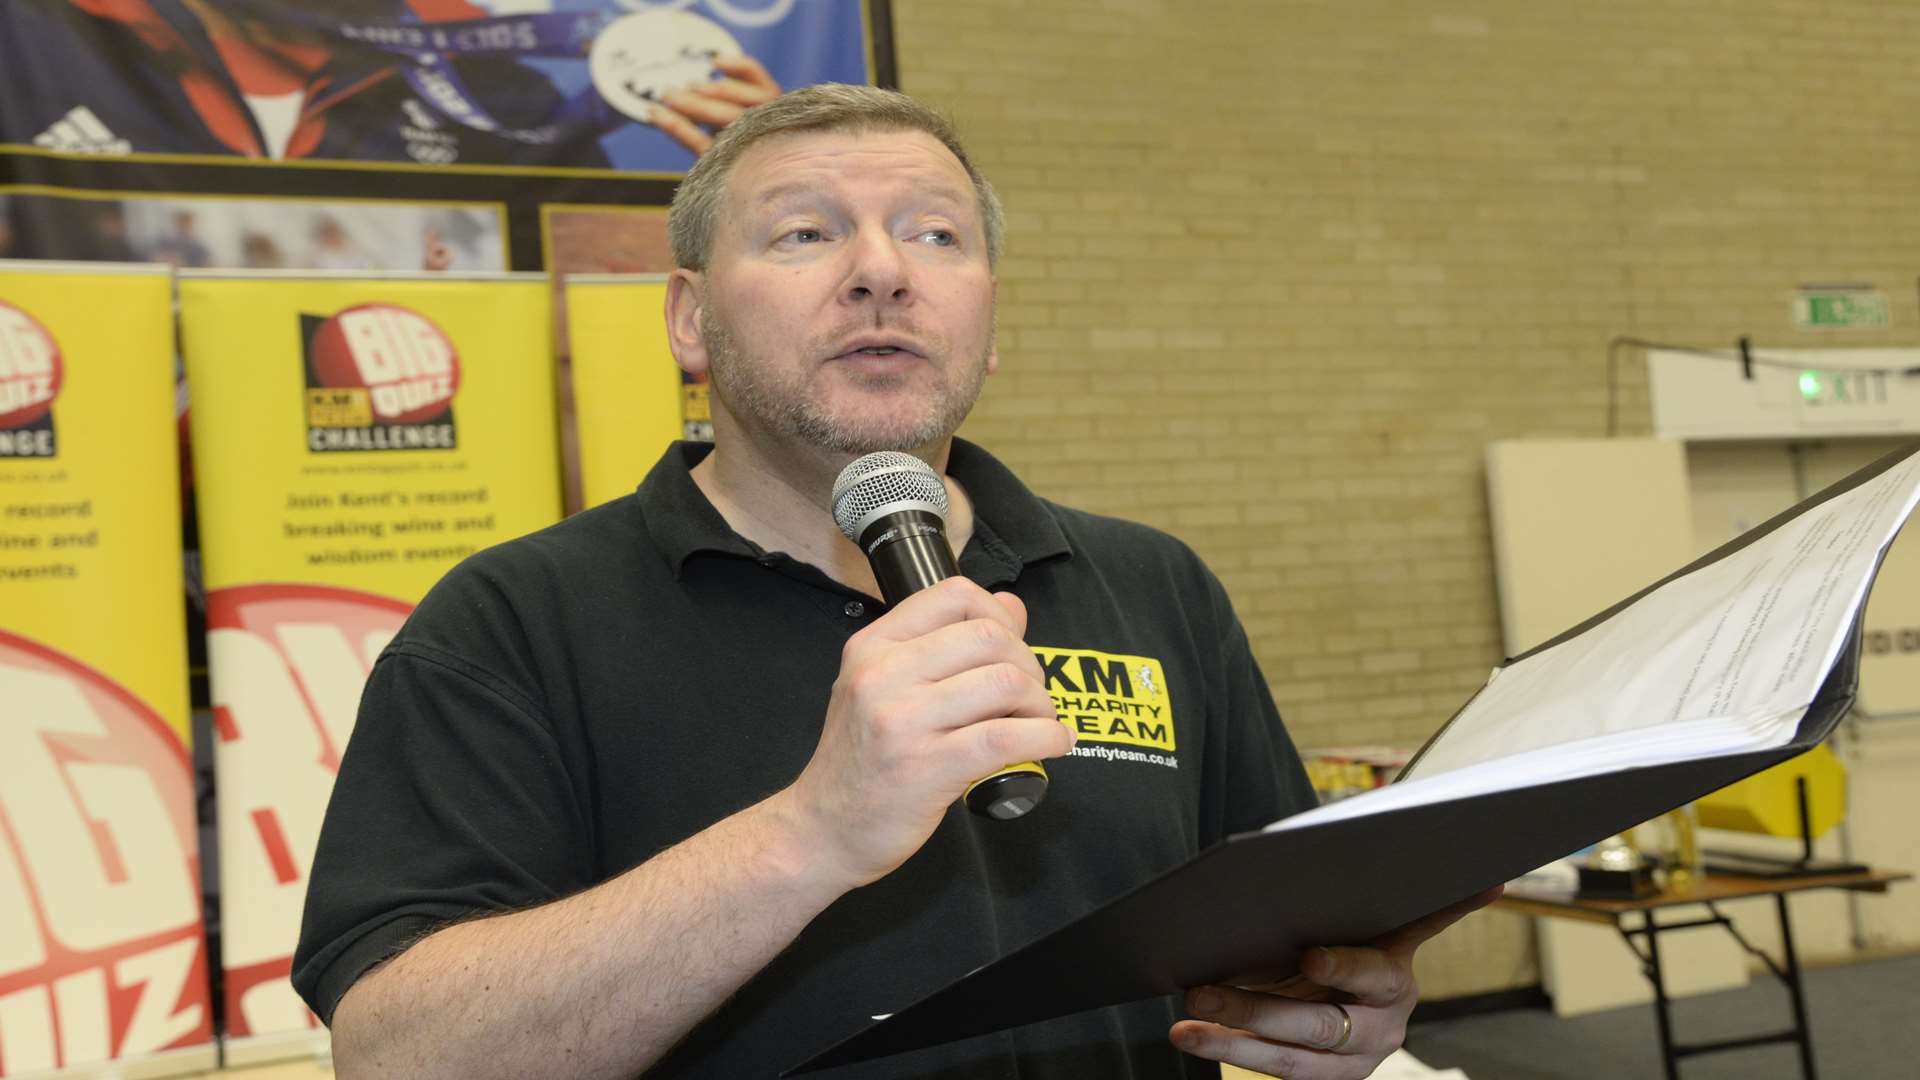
column 564, row 706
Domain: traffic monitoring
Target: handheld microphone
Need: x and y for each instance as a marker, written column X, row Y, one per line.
column 895, row 508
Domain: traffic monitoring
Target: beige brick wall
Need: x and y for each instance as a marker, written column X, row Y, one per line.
column 1278, row 271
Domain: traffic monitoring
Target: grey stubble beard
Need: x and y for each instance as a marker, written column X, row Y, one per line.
column 738, row 380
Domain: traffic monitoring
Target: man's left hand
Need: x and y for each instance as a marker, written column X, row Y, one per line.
column 1311, row 1040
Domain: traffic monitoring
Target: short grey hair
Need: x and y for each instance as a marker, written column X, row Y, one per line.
column 824, row 107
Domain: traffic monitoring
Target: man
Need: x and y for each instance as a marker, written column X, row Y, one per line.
column 665, row 787
column 182, row 247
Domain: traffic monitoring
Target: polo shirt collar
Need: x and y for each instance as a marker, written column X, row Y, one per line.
column 1010, row 521
column 1003, row 507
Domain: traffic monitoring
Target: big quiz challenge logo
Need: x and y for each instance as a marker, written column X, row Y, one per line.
column 379, row 377
column 288, row 663
column 102, row 954
column 31, row 372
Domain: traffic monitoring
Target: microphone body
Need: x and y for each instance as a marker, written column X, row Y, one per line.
column 894, row 507
column 908, row 551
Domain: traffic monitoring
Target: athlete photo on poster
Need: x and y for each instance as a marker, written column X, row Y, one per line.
column 635, row 85
column 255, row 233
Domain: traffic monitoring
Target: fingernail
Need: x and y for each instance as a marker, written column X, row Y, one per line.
column 1189, row 1040
column 1204, row 1003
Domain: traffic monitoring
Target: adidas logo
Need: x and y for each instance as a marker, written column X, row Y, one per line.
column 81, row 132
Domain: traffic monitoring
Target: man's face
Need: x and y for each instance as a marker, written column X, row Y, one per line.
column 847, row 302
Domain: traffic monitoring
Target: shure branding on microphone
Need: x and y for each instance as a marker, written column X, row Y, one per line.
column 902, row 532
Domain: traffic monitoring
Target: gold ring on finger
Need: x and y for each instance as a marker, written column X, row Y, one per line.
column 1346, row 1027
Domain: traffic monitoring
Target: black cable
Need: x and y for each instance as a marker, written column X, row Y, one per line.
column 1738, row 355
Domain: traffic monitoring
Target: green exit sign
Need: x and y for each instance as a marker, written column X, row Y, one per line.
column 1840, row 309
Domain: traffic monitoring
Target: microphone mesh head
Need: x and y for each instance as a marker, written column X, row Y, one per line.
column 884, row 481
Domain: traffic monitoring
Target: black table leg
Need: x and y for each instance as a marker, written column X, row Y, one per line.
column 1792, row 978
column 1660, row 1002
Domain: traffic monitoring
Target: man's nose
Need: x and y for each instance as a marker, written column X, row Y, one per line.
column 878, row 269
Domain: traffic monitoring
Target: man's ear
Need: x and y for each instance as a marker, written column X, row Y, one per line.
column 993, row 346
column 683, row 322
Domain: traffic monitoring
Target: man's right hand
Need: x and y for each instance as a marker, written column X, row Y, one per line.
column 935, row 694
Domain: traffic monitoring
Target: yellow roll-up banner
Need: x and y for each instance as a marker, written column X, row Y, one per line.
column 353, row 438
column 102, row 952
column 628, row 397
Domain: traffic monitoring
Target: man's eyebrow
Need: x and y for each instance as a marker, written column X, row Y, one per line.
column 958, row 196
column 797, row 189
column 791, row 189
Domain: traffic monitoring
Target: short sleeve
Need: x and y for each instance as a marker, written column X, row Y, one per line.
column 453, row 800
column 1255, row 776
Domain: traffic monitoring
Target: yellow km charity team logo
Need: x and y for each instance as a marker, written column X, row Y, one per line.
column 1110, row 697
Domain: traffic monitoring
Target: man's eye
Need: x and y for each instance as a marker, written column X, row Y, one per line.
column 806, row 236
column 942, row 237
